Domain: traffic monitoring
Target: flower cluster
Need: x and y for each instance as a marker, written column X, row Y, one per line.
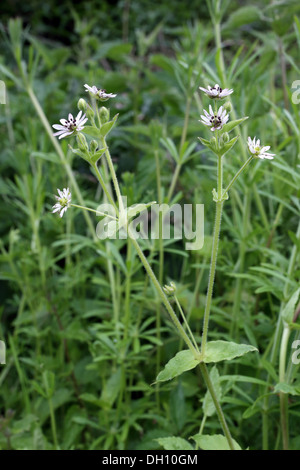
column 64, row 201
column 73, row 125
column 216, row 120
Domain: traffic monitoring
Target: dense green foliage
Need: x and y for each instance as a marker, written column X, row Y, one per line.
column 85, row 331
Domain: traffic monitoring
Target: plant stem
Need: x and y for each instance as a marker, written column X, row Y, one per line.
column 283, row 397
column 219, row 410
column 103, row 186
column 214, row 254
column 93, row 210
column 219, row 207
column 113, row 175
column 238, row 173
column 162, row 295
column 185, row 322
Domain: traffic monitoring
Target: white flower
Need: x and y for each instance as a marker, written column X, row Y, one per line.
column 64, row 201
column 70, row 125
column 259, row 151
column 216, row 92
column 215, row 121
column 98, row 93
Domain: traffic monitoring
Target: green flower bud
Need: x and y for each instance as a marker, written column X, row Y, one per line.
column 170, row 290
column 227, row 106
column 81, row 142
column 104, row 114
column 82, row 105
column 93, row 146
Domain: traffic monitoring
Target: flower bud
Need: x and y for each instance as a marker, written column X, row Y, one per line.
column 82, row 105
column 81, row 142
column 224, row 138
column 227, row 106
column 170, row 289
column 93, row 146
column 104, row 114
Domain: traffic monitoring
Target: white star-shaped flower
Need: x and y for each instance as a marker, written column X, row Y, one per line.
column 215, row 121
column 216, row 92
column 259, row 151
column 64, row 201
column 70, row 126
column 98, row 93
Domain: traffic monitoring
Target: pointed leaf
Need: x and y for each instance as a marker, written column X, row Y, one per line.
column 183, row 361
column 107, row 127
column 174, row 443
column 215, row 442
column 289, row 310
column 232, row 124
column 217, row 351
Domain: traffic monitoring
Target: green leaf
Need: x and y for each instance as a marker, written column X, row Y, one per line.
column 232, row 124
column 37, row 387
column 49, row 383
column 94, row 158
column 183, row 361
column 92, row 131
column 226, row 147
column 289, row 310
column 217, row 351
column 244, row 15
column 107, row 127
column 111, row 389
column 174, row 443
column 214, row 442
column 287, row 388
column 208, row 404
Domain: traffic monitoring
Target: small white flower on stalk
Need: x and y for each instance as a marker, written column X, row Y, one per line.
column 214, row 121
column 98, row 93
column 259, row 151
column 70, row 126
column 64, row 201
column 216, row 92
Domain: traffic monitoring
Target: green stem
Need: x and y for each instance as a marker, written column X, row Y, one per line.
column 104, row 187
column 113, row 175
column 162, row 295
column 278, row 331
column 185, row 322
column 99, row 213
column 174, row 180
column 219, row 410
column 238, row 173
column 219, row 208
column 283, row 397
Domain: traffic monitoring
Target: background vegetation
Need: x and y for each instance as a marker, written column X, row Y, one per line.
column 86, row 334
